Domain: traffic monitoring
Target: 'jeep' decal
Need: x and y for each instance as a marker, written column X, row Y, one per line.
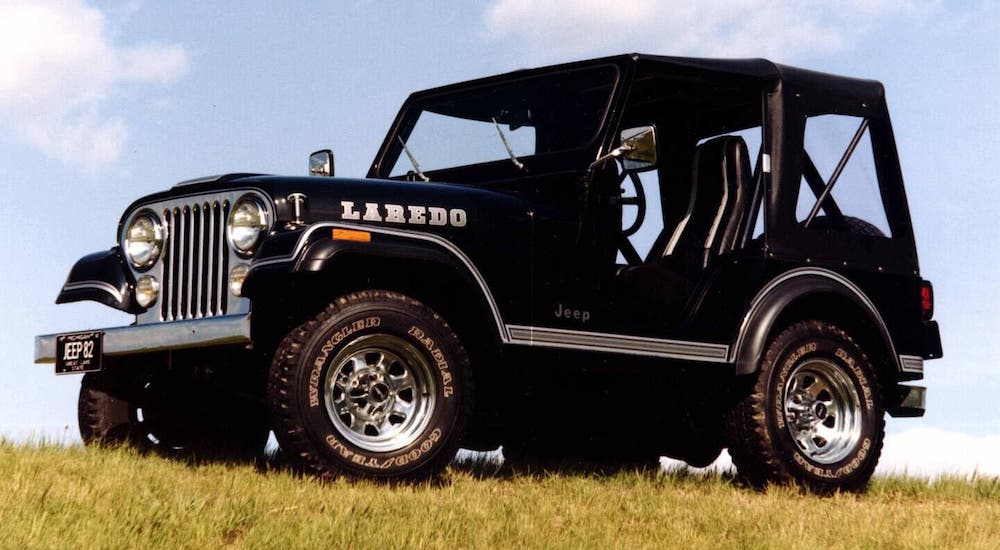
column 409, row 214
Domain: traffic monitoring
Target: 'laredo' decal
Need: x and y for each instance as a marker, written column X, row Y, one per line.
column 409, row 214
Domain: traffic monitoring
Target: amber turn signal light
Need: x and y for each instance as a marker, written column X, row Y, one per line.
column 352, row 235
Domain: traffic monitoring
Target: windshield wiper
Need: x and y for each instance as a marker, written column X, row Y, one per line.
column 413, row 160
column 506, row 144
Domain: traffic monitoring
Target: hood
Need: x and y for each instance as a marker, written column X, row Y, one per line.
column 331, row 199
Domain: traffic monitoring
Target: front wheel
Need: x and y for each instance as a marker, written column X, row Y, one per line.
column 813, row 414
column 376, row 385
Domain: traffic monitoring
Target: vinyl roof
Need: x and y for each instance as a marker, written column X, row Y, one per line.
column 754, row 68
column 765, row 69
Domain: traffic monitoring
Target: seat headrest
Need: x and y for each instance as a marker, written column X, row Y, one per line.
column 719, row 168
column 727, row 153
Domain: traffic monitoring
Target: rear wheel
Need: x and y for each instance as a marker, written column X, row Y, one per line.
column 812, row 415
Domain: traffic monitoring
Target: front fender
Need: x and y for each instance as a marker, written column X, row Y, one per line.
column 102, row 277
column 316, row 251
column 321, row 255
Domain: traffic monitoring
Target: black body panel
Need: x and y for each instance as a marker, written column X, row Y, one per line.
column 101, row 277
column 539, row 243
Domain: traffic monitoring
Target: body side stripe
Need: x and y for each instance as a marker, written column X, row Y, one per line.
column 535, row 336
column 618, row 343
column 97, row 285
column 912, row 363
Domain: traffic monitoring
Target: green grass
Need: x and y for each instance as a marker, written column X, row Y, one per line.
column 67, row 497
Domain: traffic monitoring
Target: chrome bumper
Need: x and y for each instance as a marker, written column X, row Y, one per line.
column 233, row 329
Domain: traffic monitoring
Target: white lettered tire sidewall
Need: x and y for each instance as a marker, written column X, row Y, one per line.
column 390, row 317
column 859, row 463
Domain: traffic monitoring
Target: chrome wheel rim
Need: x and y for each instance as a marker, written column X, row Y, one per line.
column 822, row 411
column 379, row 393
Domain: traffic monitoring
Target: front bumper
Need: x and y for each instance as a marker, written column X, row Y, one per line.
column 213, row 331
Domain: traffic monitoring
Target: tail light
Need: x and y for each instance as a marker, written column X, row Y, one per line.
column 927, row 300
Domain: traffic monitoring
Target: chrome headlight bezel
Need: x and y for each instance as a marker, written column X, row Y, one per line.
column 248, row 222
column 143, row 249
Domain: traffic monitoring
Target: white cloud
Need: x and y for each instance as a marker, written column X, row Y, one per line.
column 59, row 70
column 782, row 29
column 930, row 452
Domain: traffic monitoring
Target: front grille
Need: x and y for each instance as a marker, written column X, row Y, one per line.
column 195, row 260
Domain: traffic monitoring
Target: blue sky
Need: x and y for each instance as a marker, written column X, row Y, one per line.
column 104, row 101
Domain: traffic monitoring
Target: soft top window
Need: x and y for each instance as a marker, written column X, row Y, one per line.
column 854, row 203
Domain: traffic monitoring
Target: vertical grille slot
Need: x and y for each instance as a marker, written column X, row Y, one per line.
column 195, row 261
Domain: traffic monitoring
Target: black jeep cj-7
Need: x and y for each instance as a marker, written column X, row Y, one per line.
column 614, row 259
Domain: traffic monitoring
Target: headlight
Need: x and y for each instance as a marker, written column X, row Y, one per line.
column 247, row 224
column 144, row 240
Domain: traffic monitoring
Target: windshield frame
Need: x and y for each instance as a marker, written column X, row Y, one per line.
column 406, row 120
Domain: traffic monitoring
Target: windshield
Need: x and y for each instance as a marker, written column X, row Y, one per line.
column 508, row 122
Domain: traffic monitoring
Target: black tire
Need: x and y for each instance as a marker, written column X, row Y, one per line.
column 377, row 385
column 154, row 409
column 780, row 432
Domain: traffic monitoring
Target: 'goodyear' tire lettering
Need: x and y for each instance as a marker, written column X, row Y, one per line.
column 759, row 436
column 296, row 388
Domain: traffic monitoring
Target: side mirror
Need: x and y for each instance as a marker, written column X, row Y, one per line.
column 321, row 163
column 639, row 146
column 638, row 150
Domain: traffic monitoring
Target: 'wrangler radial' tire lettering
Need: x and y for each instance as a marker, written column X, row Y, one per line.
column 377, row 385
column 813, row 414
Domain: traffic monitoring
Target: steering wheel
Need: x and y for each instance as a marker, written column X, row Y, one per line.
column 639, row 201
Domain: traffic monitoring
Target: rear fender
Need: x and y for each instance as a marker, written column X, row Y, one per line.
column 782, row 292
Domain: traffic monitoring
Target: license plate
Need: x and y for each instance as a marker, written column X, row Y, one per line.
column 81, row 352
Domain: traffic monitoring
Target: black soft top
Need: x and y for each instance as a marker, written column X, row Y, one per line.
column 790, row 78
column 765, row 69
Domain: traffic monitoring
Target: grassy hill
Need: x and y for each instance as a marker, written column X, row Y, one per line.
column 69, row 497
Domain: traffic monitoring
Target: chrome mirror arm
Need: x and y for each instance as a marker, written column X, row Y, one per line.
column 614, row 153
